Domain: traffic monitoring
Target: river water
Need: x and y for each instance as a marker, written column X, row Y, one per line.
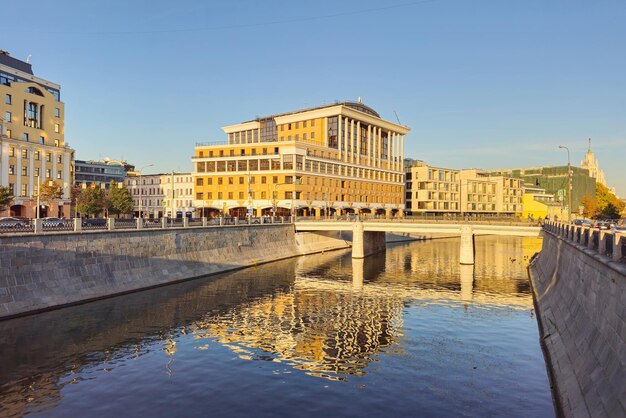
column 408, row 332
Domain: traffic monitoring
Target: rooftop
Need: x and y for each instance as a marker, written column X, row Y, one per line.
column 354, row 105
column 9, row 61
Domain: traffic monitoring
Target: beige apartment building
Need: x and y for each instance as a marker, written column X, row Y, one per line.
column 159, row 195
column 32, row 143
column 333, row 159
column 436, row 190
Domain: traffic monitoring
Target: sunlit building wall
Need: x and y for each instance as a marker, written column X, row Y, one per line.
column 334, row 159
column 32, row 142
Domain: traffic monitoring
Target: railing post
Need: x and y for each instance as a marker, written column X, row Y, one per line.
column 185, row 222
column 282, row 219
column 602, row 242
column 590, row 234
column 139, row 222
column 38, row 225
column 110, row 224
column 204, row 221
column 221, row 221
column 617, row 247
column 164, row 222
column 78, row 224
column 236, row 220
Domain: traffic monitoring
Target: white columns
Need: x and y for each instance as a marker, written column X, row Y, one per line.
column 369, row 145
column 388, row 150
column 54, row 166
column 31, row 173
column 18, row 172
column 358, row 142
column 351, row 148
column 347, row 140
column 339, row 137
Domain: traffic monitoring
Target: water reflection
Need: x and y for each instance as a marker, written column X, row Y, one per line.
column 326, row 315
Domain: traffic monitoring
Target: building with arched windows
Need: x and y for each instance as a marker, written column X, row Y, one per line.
column 32, row 143
column 333, row 159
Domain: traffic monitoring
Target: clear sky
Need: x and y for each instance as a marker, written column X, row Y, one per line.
column 481, row 83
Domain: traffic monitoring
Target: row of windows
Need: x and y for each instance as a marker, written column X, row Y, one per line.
column 291, row 163
column 9, row 78
column 296, row 125
column 295, row 195
column 296, row 137
column 159, row 202
column 231, row 152
column 37, row 155
column 37, row 172
column 159, row 191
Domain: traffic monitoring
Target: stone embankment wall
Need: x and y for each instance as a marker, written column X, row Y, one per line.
column 39, row 272
column 581, row 300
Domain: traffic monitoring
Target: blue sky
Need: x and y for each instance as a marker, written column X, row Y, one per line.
column 481, row 83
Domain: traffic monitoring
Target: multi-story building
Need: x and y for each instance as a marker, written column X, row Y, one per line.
column 33, row 148
column 329, row 159
column 435, row 190
column 101, row 172
column 555, row 181
column 539, row 204
column 154, row 196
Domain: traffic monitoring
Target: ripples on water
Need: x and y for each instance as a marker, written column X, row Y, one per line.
column 407, row 332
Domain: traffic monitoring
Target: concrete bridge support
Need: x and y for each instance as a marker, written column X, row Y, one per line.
column 366, row 243
column 467, row 245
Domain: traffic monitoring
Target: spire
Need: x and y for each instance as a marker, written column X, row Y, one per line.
column 589, row 147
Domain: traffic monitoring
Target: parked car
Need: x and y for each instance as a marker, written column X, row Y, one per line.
column 54, row 222
column 10, row 222
column 94, row 222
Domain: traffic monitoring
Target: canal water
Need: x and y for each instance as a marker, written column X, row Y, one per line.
column 408, row 332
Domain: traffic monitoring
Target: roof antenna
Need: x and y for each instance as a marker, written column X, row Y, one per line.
column 397, row 118
column 28, row 58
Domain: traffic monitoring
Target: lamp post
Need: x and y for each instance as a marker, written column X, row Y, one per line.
column 140, row 189
column 569, row 185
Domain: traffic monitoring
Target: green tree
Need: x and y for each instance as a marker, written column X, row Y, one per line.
column 119, row 198
column 6, row 196
column 90, row 201
column 609, row 206
column 49, row 191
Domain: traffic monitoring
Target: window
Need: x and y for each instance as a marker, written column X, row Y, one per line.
column 231, row 180
column 240, row 180
column 49, row 157
column 60, row 159
column 199, row 182
column 199, row 196
column 240, row 195
column 7, row 99
column 57, row 112
column 12, row 152
column 312, row 135
column 230, row 195
column 37, row 172
column 24, row 189
column 7, row 117
column 304, row 124
column 57, row 128
column 24, row 154
column 25, row 137
column 56, row 142
column 41, row 140
column 312, row 122
column 11, row 169
column 24, row 171
column 9, row 133
column 48, row 173
column 37, row 155
column 219, row 180
column 263, row 180
column 59, row 174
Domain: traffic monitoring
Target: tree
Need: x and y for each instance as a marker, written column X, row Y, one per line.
column 609, row 206
column 590, row 206
column 6, row 196
column 119, row 198
column 90, row 201
column 49, row 191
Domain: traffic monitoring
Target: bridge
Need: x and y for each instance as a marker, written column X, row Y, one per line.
column 368, row 236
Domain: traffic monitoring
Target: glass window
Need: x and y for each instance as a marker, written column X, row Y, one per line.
column 11, row 169
column 56, row 142
column 24, row 154
column 57, row 112
column 25, row 171
column 56, row 127
column 37, row 155
column 7, row 99
column 41, row 140
column 7, row 117
column 59, row 174
column 25, row 137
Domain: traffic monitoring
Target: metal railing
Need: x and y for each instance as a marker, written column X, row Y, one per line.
column 38, row 226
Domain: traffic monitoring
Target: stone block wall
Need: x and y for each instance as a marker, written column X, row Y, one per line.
column 38, row 272
column 581, row 300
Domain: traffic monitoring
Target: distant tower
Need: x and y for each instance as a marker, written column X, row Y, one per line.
column 591, row 163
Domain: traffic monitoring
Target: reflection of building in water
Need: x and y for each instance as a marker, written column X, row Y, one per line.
column 322, row 327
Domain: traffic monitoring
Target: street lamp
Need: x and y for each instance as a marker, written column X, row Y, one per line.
column 140, row 189
column 569, row 185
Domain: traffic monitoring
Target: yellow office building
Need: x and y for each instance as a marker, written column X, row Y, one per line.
column 334, row 159
column 32, row 144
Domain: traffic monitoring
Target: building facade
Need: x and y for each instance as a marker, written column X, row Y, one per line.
column 162, row 195
column 555, row 180
column 100, row 172
column 32, row 142
column 334, row 159
column 437, row 191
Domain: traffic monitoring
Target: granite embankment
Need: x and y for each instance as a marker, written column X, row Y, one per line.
column 581, row 300
column 40, row 272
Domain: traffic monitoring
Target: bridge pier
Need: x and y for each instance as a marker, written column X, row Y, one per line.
column 467, row 245
column 366, row 243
